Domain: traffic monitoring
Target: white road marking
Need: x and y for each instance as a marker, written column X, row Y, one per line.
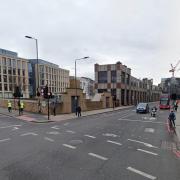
column 49, row 139
column 9, row 126
column 155, row 154
column 55, row 127
column 145, row 144
column 69, row 146
column 29, row 133
column 141, row 173
column 110, row 135
column 53, row 132
column 3, row 140
column 93, row 137
column 69, row 131
column 15, row 128
column 135, row 120
column 150, row 130
column 98, row 156
column 114, row 142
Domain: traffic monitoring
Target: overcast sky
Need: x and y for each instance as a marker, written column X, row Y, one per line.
column 142, row 34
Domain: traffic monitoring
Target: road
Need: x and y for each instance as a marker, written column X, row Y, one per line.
column 110, row 146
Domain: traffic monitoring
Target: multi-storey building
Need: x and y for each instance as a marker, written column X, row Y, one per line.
column 126, row 89
column 13, row 72
column 87, row 85
column 49, row 74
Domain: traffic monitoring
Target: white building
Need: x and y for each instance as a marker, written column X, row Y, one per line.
column 87, row 85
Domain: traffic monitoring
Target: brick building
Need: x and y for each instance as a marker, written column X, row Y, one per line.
column 126, row 89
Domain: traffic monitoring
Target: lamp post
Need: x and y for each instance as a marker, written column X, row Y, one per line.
column 76, row 99
column 38, row 93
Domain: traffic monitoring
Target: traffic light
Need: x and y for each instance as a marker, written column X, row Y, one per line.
column 45, row 91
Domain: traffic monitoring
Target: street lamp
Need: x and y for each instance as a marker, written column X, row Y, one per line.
column 86, row 57
column 38, row 93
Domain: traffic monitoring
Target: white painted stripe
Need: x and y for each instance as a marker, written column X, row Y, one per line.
column 29, row 133
column 145, row 144
column 93, row 137
column 9, row 126
column 72, row 132
column 135, row 120
column 69, row 146
column 155, row 154
column 55, row 127
column 98, row 156
column 110, row 135
column 3, row 140
column 49, row 139
column 141, row 173
column 114, row 142
column 53, row 132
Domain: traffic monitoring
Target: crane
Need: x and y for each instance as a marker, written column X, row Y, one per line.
column 173, row 68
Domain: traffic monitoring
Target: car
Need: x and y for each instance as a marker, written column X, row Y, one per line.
column 142, row 108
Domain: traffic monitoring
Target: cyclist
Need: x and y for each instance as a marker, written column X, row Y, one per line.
column 172, row 118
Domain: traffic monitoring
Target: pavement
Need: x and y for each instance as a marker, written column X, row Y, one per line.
column 118, row 145
column 39, row 118
column 178, row 123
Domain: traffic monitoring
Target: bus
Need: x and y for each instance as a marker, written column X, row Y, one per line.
column 164, row 101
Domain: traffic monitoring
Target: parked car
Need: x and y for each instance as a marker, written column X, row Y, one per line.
column 142, row 108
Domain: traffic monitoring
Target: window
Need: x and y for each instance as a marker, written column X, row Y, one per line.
column 123, row 77
column 10, row 79
column 23, row 65
column 102, row 77
column 4, row 61
column 9, row 62
column 23, row 72
column 5, row 87
column 14, row 71
column 5, row 78
column 0, row 87
column 9, row 70
column 113, row 76
column 18, row 72
column 10, row 87
column 4, row 70
column 19, row 64
column 13, row 63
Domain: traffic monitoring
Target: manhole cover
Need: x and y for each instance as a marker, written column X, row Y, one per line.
column 76, row 142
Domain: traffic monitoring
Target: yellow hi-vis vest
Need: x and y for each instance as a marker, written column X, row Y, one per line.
column 9, row 104
column 22, row 105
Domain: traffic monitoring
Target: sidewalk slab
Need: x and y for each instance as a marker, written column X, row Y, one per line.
column 178, row 124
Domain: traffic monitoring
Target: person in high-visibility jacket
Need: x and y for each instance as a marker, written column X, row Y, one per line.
column 9, row 106
column 21, row 107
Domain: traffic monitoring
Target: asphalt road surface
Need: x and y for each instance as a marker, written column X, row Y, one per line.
column 120, row 145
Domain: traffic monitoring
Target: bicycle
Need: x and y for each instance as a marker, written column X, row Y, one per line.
column 171, row 126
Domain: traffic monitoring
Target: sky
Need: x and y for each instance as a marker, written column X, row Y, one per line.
column 142, row 34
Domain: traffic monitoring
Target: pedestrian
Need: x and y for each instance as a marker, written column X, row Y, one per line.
column 79, row 111
column 9, row 106
column 176, row 106
column 54, row 108
column 172, row 117
column 21, row 107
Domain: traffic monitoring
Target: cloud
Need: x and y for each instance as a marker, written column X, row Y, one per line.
column 144, row 35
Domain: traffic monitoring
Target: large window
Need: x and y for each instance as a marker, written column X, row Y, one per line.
column 123, row 77
column 113, row 76
column 102, row 77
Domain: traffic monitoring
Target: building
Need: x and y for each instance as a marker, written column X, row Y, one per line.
column 171, row 86
column 13, row 72
column 87, row 85
column 126, row 89
column 50, row 74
